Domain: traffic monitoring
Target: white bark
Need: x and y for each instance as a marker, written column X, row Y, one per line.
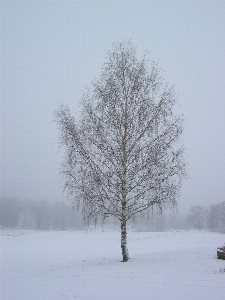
column 124, row 248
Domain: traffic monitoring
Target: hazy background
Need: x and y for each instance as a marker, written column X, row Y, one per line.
column 51, row 50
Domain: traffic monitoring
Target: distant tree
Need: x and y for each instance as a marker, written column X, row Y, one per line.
column 216, row 217
column 221, row 221
column 42, row 215
column 123, row 156
column 27, row 215
column 212, row 220
column 61, row 216
column 10, row 208
column 197, row 216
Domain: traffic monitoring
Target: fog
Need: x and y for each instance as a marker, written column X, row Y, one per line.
column 51, row 50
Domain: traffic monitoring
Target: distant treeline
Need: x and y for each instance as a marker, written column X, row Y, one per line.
column 212, row 218
column 198, row 217
column 40, row 215
column 44, row 215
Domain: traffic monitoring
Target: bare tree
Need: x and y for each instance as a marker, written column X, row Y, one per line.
column 123, row 155
column 197, row 216
column 216, row 217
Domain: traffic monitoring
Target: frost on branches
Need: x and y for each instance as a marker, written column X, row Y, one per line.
column 123, row 155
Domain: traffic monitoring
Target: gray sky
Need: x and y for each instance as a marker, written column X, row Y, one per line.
column 51, row 50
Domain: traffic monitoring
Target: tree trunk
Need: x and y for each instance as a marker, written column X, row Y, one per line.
column 124, row 241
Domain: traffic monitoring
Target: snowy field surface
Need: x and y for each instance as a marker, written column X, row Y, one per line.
column 39, row 265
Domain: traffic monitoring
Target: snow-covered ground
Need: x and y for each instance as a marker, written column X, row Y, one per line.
column 78, row 265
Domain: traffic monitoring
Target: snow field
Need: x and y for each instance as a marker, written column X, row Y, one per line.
column 45, row 265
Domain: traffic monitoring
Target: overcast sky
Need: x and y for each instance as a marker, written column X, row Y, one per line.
column 51, row 50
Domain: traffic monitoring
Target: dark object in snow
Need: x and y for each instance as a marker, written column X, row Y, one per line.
column 221, row 252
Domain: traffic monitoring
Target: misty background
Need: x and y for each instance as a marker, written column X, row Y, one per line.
column 51, row 50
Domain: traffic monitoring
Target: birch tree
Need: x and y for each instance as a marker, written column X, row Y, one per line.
column 123, row 155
